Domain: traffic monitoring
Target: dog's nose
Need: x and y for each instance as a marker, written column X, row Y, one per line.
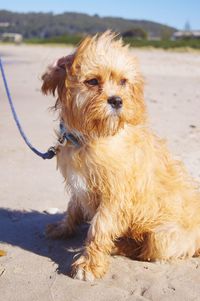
column 115, row 102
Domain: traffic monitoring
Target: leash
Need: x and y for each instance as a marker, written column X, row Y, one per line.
column 51, row 152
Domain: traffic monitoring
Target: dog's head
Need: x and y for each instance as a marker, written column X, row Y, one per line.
column 99, row 87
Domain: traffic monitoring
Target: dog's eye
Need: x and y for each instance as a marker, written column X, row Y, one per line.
column 92, row 82
column 123, row 82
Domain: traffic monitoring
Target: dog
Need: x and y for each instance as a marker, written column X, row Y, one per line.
column 121, row 178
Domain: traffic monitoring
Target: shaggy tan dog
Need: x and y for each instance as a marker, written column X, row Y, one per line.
column 139, row 201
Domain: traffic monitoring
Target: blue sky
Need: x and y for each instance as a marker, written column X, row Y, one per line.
column 170, row 12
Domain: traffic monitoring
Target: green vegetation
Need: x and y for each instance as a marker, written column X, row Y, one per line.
column 64, row 39
column 165, row 44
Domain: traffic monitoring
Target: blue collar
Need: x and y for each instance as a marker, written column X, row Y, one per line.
column 65, row 135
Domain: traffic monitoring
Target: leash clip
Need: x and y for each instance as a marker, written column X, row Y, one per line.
column 52, row 149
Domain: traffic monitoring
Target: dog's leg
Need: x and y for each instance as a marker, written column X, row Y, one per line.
column 170, row 241
column 66, row 227
column 95, row 259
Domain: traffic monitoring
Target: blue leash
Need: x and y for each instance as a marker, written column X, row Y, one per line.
column 51, row 151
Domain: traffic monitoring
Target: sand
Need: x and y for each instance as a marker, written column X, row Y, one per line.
column 36, row 268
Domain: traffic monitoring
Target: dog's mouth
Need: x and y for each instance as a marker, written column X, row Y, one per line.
column 112, row 112
column 112, row 121
column 100, row 121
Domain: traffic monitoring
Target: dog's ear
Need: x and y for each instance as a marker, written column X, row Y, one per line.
column 54, row 78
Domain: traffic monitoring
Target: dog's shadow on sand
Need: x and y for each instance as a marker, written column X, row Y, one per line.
column 26, row 229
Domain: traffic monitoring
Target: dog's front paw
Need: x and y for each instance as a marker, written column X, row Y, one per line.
column 58, row 230
column 81, row 270
column 89, row 268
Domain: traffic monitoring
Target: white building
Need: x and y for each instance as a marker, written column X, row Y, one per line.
column 191, row 34
column 12, row 37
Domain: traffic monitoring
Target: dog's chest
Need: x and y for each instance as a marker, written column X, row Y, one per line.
column 77, row 182
column 67, row 162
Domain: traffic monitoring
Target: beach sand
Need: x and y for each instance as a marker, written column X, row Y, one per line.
column 36, row 268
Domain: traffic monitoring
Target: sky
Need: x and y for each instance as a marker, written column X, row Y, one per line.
column 170, row 12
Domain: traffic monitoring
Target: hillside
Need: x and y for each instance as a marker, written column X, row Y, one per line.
column 45, row 25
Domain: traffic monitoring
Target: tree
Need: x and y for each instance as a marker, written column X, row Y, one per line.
column 187, row 26
column 136, row 33
column 165, row 34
